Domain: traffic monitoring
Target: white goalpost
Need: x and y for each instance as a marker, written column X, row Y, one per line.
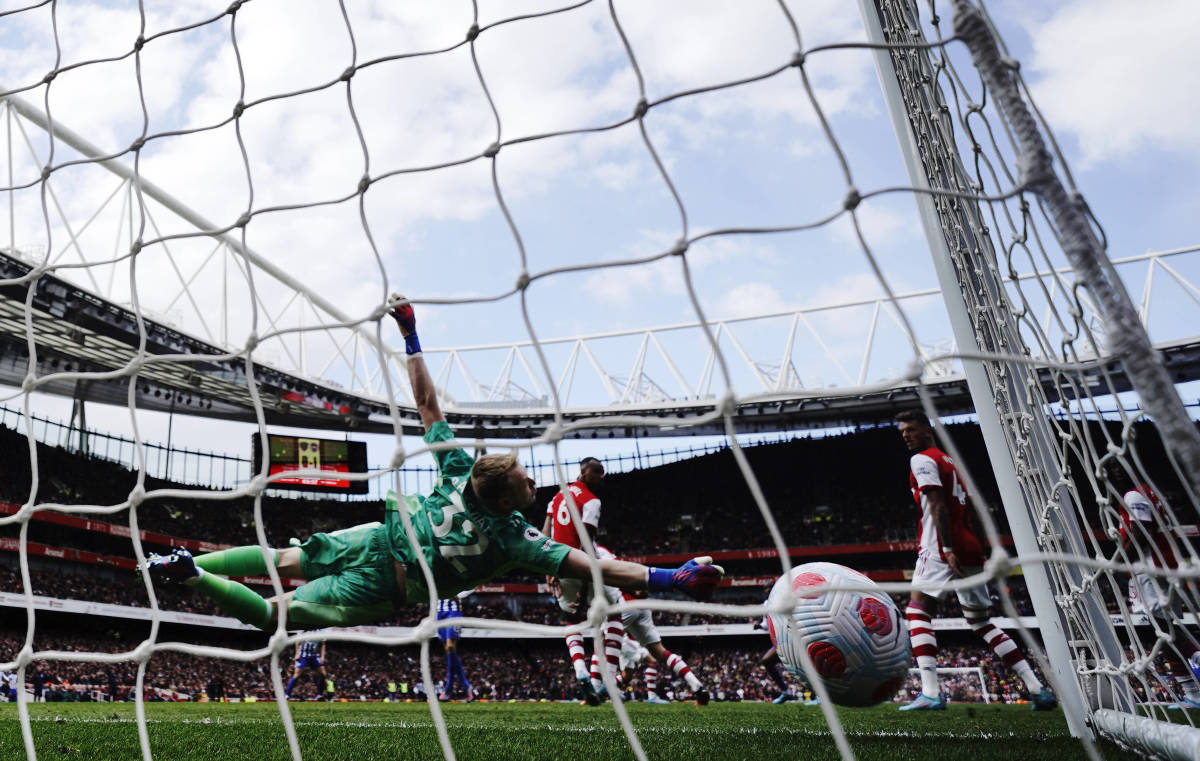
column 961, row 671
column 1078, row 411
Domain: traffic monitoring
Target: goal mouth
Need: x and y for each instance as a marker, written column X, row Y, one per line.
column 685, row 241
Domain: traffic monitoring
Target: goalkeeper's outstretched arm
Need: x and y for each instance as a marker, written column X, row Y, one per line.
column 696, row 578
column 424, row 392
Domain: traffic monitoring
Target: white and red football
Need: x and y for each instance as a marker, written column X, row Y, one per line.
column 857, row 641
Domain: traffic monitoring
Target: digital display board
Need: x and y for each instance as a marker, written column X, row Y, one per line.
column 334, row 458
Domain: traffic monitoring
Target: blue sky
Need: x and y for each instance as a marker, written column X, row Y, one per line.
column 1103, row 73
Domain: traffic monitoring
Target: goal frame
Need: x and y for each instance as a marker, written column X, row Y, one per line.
column 1069, row 655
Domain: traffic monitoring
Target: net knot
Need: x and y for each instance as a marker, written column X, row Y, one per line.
column 473, row 32
column 523, row 280
column 238, row 109
column 364, row 183
column 852, row 200
column 46, row 172
column 50, row 75
column 257, row 485
column 137, row 495
column 398, row 458
column 278, row 641
column 797, row 59
column 137, row 144
column 234, row 7
column 492, row 150
column 641, row 108
column 348, row 73
column 680, row 248
column 143, row 651
column 243, row 220
column 728, row 403
column 251, row 342
column 999, row 564
column 139, row 43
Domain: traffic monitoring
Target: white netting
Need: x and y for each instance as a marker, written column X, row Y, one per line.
column 1005, row 228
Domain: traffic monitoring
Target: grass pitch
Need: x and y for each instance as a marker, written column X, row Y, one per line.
column 538, row 732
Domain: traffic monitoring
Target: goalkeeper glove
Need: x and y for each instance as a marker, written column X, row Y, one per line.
column 696, row 578
column 406, row 318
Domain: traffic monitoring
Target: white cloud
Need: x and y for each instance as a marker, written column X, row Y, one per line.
column 1112, row 73
column 748, row 299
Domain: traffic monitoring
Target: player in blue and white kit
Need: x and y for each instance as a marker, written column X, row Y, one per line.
column 310, row 656
column 447, row 610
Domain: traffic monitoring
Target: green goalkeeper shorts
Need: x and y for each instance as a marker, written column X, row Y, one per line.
column 351, row 579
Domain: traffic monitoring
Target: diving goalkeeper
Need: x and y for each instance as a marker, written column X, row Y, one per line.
column 469, row 530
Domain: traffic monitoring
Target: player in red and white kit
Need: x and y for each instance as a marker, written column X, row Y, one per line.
column 948, row 549
column 1144, row 528
column 639, row 626
column 573, row 593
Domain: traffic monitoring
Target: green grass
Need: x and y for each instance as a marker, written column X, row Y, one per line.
column 537, row 731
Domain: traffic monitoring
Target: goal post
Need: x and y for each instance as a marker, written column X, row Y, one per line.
column 1029, row 451
column 1037, row 388
column 952, row 671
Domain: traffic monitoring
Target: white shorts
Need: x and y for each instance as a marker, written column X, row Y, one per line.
column 1152, row 596
column 932, row 574
column 639, row 624
column 632, row 654
column 571, row 590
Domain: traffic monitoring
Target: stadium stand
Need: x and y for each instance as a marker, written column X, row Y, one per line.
column 663, row 512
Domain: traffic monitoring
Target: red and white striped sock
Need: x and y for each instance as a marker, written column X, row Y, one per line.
column 924, row 647
column 680, row 667
column 578, row 656
column 1003, row 646
column 614, row 633
column 652, row 678
column 597, row 677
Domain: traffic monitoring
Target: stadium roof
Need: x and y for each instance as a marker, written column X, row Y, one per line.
column 84, row 343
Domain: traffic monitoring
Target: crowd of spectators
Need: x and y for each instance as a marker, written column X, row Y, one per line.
column 499, row 670
column 850, row 488
column 693, row 505
column 127, row 589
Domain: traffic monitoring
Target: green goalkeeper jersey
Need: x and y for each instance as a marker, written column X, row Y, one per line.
column 463, row 543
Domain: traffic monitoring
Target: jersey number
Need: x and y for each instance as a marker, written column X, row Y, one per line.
column 452, row 552
column 958, row 491
column 564, row 513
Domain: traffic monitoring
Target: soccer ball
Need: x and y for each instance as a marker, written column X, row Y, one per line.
column 857, row 641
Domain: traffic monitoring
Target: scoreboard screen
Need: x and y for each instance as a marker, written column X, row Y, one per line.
column 334, row 458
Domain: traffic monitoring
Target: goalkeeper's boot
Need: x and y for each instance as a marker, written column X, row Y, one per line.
column 1045, row 700
column 814, row 702
column 783, row 697
column 701, row 697
column 654, row 697
column 587, row 692
column 925, row 703
column 176, row 567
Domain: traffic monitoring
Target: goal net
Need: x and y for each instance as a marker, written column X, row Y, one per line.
column 276, row 172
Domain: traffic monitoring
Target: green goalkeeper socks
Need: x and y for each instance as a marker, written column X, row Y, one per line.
column 238, row 561
column 238, row 600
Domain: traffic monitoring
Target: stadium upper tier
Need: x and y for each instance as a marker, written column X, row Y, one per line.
column 86, row 344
